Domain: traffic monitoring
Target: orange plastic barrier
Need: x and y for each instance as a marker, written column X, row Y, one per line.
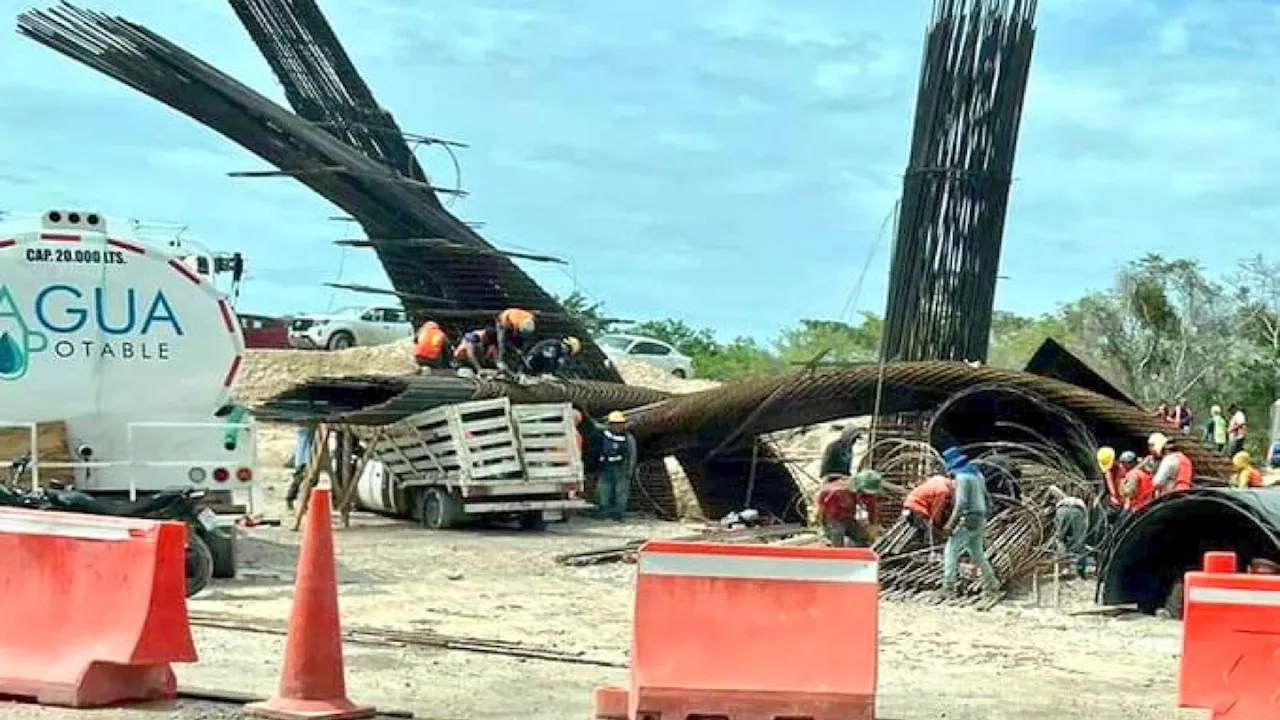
column 92, row 609
column 1230, row 641
column 751, row 632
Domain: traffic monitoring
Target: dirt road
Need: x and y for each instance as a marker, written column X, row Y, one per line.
column 1013, row 662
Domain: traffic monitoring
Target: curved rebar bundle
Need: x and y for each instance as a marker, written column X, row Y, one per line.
column 943, row 274
column 1046, row 421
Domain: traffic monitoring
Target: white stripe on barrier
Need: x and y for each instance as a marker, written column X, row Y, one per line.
column 24, row 526
column 758, row 568
column 1232, row 596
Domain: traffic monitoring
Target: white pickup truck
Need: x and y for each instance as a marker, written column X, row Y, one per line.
column 135, row 353
column 350, row 327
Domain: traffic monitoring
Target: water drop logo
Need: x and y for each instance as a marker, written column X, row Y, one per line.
column 17, row 340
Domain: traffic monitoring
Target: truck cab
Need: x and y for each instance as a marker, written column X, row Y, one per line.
column 130, row 350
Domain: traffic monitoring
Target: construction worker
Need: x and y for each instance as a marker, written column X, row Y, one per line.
column 1237, row 429
column 1174, row 472
column 967, row 526
column 1216, row 432
column 552, row 356
column 925, row 508
column 1246, row 476
column 474, row 349
column 431, row 348
column 838, row 502
column 302, row 440
column 513, row 328
column 618, row 455
column 1113, row 473
column 837, row 457
column 1071, row 527
column 1138, row 488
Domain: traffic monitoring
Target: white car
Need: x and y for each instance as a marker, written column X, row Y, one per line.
column 650, row 351
column 350, row 327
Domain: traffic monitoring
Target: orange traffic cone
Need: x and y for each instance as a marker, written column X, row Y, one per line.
column 312, row 683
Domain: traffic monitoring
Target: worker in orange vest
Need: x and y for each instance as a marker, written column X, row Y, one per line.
column 1246, row 476
column 513, row 328
column 925, row 508
column 1137, row 488
column 431, row 349
column 1174, row 472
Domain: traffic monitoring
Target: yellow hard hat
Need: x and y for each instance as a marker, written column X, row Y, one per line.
column 1106, row 457
column 527, row 326
column 1157, row 441
column 1216, row 410
column 1241, row 460
column 616, row 417
column 574, row 344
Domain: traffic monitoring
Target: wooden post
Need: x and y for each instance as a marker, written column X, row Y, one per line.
column 315, row 466
column 349, row 493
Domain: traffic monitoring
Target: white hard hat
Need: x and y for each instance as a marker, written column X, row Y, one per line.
column 1157, row 441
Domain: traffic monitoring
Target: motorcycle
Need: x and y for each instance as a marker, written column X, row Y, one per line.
column 184, row 505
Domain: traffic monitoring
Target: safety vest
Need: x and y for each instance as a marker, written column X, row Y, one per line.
column 512, row 318
column 1186, row 473
column 613, row 450
column 1142, row 492
column 1249, row 477
column 431, row 342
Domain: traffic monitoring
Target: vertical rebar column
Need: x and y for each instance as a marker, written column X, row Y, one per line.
column 946, row 256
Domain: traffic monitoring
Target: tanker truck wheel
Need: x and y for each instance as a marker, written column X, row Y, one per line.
column 199, row 564
column 222, row 547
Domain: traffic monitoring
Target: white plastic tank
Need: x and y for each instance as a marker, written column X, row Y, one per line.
column 376, row 491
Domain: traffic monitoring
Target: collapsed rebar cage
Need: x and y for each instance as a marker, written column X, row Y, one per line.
column 942, row 279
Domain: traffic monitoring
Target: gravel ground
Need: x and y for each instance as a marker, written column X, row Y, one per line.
column 1011, row 662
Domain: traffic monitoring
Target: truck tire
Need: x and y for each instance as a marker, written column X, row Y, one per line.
column 222, row 545
column 438, row 509
column 533, row 520
column 341, row 340
column 678, row 372
column 199, row 564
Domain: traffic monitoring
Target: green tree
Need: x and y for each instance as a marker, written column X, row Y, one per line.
column 740, row 359
column 1014, row 338
column 845, row 343
column 590, row 314
column 1164, row 328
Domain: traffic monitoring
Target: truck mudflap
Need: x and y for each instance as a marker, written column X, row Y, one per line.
column 479, row 508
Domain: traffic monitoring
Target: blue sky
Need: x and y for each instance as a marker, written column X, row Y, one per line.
column 730, row 162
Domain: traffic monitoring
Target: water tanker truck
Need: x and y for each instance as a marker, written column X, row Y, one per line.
column 133, row 354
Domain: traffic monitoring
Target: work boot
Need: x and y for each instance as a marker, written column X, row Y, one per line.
column 946, row 594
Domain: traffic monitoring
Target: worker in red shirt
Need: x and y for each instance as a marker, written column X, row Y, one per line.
column 926, row 506
column 431, row 348
column 1174, row 473
column 1114, row 471
column 839, row 501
